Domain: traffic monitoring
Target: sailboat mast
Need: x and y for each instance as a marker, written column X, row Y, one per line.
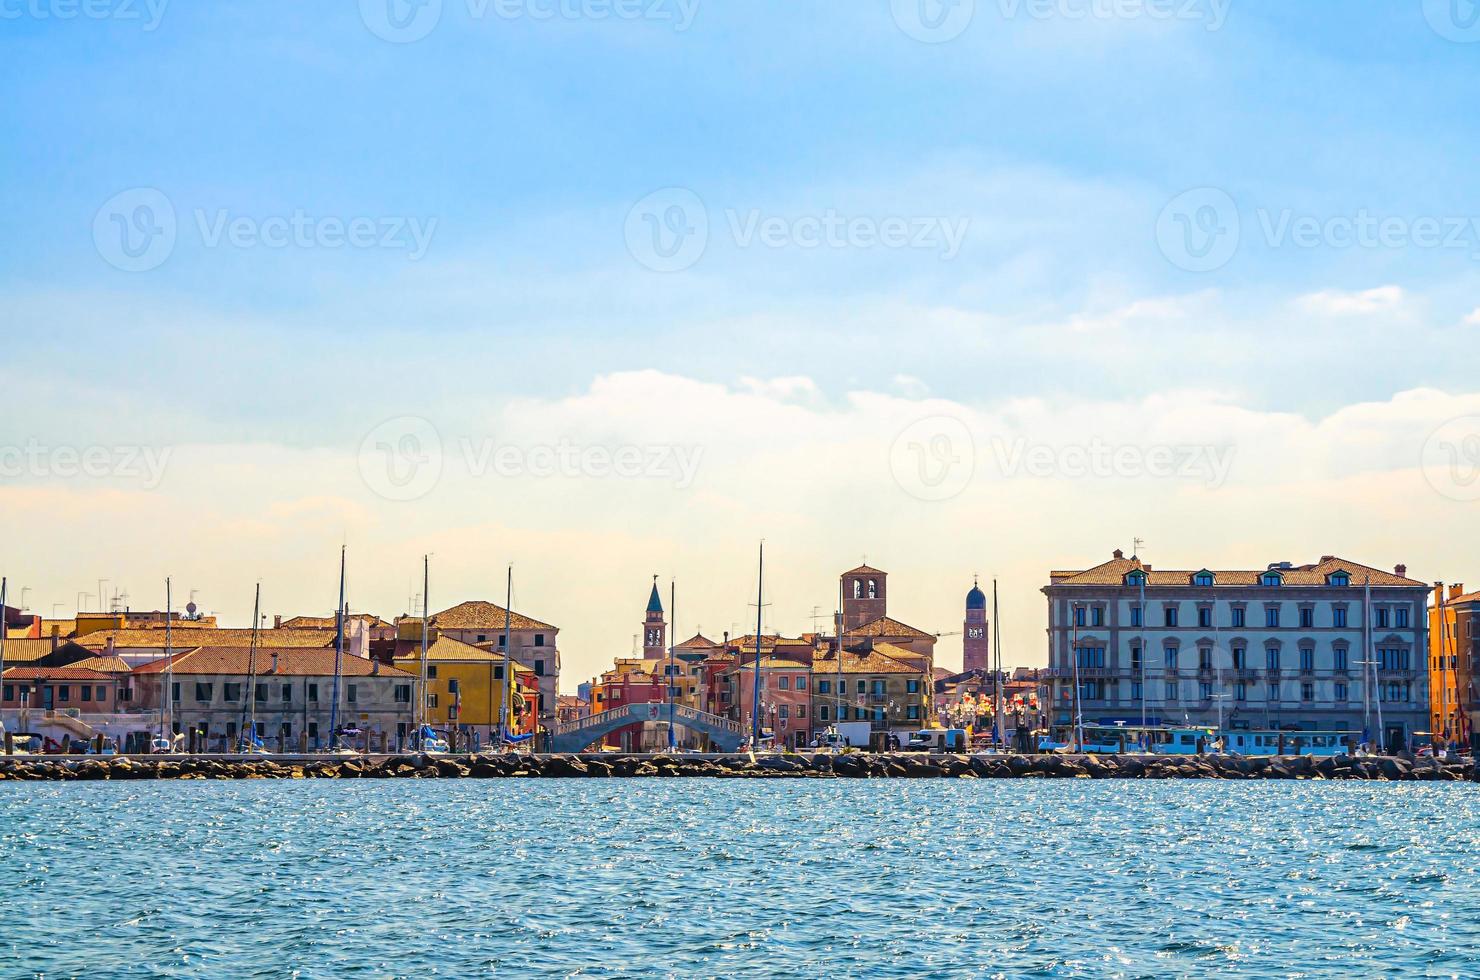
column 1000, row 730
column 755, row 700
column 508, row 713
column 249, row 707
column 338, row 657
column 166, row 714
column 2, row 635
column 421, row 698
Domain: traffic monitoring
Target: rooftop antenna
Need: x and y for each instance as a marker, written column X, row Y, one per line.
column 1136, row 546
column 24, row 590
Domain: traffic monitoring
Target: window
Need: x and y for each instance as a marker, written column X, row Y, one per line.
column 502, row 638
column 801, row 711
column 801, row 682
column 1339, row 579
column 1307, row 691
column 287, row 693
column 431, row 700
column 539, row 668
column 63, row 693
column 1205, row 617
column 1203, row 578
column 431, row 672
column 1204, row 658
column 1205, row 690
column 231, row 692
column 102, row 693
column 878, row 688
column 1169, row 616
column 842, row 712
column 1097, row 616
column 1272, row 617
column 1381, row 616
column 498, row 672
column 1307, row 618
column 9, row 693
column 174, row 692
column 1400, row 617
column 1307, row 660
column 350, row 692
column 824, row 687
column 1272, row 579
column 1238, row 617
column 1170, row 691
column 913, row 711
column 1136, row 578
column 1393, row 658
column 1092, row 656
column 1136, row 616
column 539, row 639
column 1240, row 658
column 1272, row 658
column 784, row 682
column 1135, row 656
column 1273, row 693
column 912, row 687
column 403, row 694
column 1078, row 615
column 1170, row 655
column 1338, row 691
column 1241, row 691
column 203, row 693
column 261, row 693
column 784, row 713
column 86, row 693
column 1135, row 690
column 1338, row 659
column 1338, row 617
column 862, row 686
column 313, row 693
column 822, row 712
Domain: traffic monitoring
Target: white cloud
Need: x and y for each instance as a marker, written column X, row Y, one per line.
column 1336, row 302
column 1473, row 320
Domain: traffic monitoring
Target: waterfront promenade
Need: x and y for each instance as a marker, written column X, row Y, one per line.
column 735, row 765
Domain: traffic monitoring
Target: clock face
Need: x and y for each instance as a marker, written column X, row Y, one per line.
column 974, row 632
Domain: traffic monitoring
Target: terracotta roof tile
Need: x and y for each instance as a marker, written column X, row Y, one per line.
column 885, row 626
column 1113, row 572
column 183, row 637
column 291, row 662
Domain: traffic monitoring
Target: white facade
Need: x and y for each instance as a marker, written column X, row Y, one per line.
column 1287, row 647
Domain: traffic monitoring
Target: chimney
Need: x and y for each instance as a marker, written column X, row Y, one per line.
column 277, row 622
column 374, row 667
column 1326, row 558
column 108, row 648
column 1401, row 571
column 56, row 636
column 274, row 662
column 1456, row 590
column 1117, row 553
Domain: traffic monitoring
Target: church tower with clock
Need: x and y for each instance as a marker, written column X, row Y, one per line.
column 976, row 648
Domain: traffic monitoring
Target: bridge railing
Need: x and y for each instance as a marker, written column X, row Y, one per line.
column 680, row 711
column 566, row 727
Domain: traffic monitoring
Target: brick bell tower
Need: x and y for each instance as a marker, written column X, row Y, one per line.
column 654, row 629
column 864, row 594
column 976, row 635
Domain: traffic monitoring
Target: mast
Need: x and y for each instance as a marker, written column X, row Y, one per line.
column 249, row 706
column 1141, row 639
column 508, row 711
column 999, row 731
column 167, row 703
column 1376, row 683
column 1074, row 660
column 338, row 658
column 1366, row 658
column 755, row 700
column 421, row 699
column 672, row 636
column 2, row 636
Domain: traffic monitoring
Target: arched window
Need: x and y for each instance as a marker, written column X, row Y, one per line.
column 858, row 588
column 873, row 589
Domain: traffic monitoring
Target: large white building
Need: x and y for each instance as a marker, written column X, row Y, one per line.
column 1293, row 647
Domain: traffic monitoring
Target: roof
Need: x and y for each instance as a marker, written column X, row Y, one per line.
column 330, row 622
column 25, row 651
column 864, row 570
column 976, row 598
column 655, row 602
column 54, row 673
column 863, row 662
column 697, row 641
column 105, row 665
column 447, row 649
column 291, row 662
column 184, row 637
column 479, row 615
column 885, row 626
column 770, row 663
column 1114, row 571
column 900, row 653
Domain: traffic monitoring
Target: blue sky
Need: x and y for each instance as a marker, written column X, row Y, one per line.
column 520, row 145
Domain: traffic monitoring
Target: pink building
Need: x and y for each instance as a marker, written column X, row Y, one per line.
column 785, row 696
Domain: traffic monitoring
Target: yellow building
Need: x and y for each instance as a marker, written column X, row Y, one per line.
column 481, row 687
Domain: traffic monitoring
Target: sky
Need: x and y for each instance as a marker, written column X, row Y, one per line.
column 608, row 289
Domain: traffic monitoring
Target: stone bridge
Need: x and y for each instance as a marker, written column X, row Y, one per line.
column 573, row 736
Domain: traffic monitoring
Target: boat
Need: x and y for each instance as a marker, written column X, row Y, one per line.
column 1273, row 742
column 433, row 743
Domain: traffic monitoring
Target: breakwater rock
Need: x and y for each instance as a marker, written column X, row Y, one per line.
column 845, row 766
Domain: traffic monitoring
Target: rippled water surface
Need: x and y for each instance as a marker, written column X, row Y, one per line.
column 681, row 877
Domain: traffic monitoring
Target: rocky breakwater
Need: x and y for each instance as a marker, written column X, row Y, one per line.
column 847, row 766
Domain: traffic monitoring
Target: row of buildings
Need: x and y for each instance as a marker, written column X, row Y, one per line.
column 488, row 673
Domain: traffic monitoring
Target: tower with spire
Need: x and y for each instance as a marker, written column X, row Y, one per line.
column 976, row 645
column 654, row 629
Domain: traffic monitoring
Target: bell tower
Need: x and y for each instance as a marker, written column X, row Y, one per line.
column 976, row 640
column 654, row 629
column 864, row 595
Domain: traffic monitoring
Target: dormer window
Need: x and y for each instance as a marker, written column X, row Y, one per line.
column 1203, row 578
column 1341, row 579
column 1136, row 578
column 1272, row 578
